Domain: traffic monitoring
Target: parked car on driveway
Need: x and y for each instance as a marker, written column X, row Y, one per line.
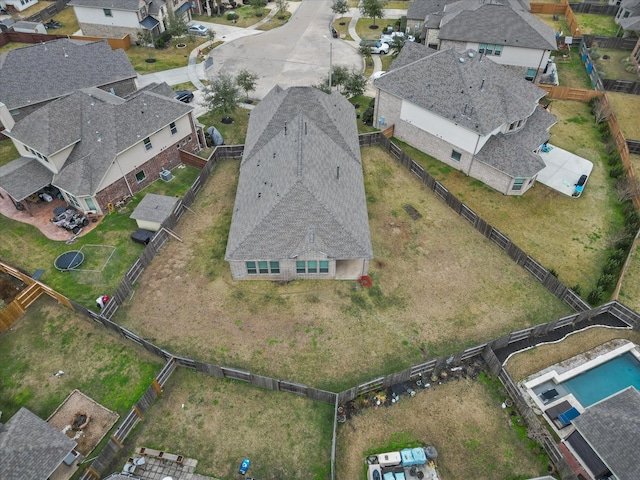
column 184, row 96
column 388, row 37
column 376, row 46
column 197, row 29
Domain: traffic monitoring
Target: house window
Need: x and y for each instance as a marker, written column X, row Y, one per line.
column 456, row 155
column 531, row 74
column 517, row 184
column 263, row 268
column 107, row 12
column 90, row 204
column 498, row 50
column 490, row 49
column 143, row 12
column 140, row 176
column 73, row 200
column 311, row 266
column 173, row 128
column 515, row 125
column 147, row 143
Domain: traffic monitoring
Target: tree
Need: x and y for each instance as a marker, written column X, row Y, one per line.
column 396, row 45
column 355, row 84
column 247, row 81
column 340, row 7
column 601, row 111
column 144, row 37
column 339, row 75
column 176, row 24
column 211, row 35
column 323, row 86
column 257, row 6
column 222, row 94
column 365, row 51
column 282, row 6
column 372, row 9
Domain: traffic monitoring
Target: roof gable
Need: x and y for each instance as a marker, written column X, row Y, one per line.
column 496, row 23
column 479, row 94
column 31, row 448
column 46, row 71
column 611, row 428
column 301, row 187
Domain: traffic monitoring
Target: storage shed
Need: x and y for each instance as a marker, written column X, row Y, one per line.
column 29, row 27
column 153, row 210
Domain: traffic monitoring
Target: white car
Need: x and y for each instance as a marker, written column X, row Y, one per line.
column 197, row 29
column 388, row 37
column 376, row 46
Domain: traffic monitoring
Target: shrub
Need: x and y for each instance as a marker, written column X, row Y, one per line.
column 231, row 16
column 595, row 296
column 611, row 267
column 604, row 130
column 367, row 116
column 632, row 220
column 625, row 242
column 606, row 281
column 162, row 40
column 614, row 158
column 577, row 289
column 618, row 255
column 617, row 171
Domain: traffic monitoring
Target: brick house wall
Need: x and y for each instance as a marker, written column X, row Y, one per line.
column 168, row 159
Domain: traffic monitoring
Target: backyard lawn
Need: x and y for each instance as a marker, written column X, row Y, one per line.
column 474, row 437
column 67, row 18
column 616, row 65
column 438, row 287
column 25, row 247
column 49, row 338
column 592, row 24
column 627, row 110
column 566, row 234
column 220, row 422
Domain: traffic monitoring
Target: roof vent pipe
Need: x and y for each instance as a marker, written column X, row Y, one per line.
column 338, row 172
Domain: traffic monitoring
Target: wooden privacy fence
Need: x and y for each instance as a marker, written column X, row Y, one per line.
column 26, row 297
column 113, row 446
column 594, row 8
column 544, row 276
column 32, row 38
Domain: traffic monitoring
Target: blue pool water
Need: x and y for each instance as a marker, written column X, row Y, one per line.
column 605, row 379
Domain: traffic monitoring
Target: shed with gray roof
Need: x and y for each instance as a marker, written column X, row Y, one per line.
column 611, row 428
column 483, row 120
column 30, row 448
column 300, row 208
column 153, row 210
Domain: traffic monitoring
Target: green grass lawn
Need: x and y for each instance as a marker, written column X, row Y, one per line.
column 246, row 17
column 616, row 66
column 50, row 337
column 568, row 235
column 275, row 22
column 8, row 152
column 25, row 247
column 233, row 134
column 571, row 71
column 69, row 22
column 592, row 24
column 220, row 422
column 627, row 110
column 166, row 58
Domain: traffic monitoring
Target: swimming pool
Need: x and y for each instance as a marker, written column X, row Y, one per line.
column 605, row 379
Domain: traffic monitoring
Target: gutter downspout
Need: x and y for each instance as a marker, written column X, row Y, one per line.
column 124, row 176
column 473, row 155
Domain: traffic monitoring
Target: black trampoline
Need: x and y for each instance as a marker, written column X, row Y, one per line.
column 69, row 260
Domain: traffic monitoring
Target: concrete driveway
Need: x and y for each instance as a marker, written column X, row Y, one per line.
column 295, row 54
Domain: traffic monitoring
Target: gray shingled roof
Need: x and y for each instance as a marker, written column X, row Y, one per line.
column 154, row 208
column 611, row 427
column 477, row 94
column 631, row 24
column 496, row 23
column 24, row 176
column 301, row 185
column 46, row 71
column 411, row 52
column 30, row 448
column 512, row 153
column 419, row 9
column 130, row 5
column 100, row 125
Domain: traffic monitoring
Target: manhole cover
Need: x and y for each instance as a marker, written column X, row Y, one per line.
column 412, row 212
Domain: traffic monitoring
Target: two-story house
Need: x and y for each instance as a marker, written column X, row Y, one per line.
column 98, row 148
column 483, row 120
column 502, row 30
column 117, row 18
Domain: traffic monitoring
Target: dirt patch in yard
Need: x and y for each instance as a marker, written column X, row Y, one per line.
column 438, row 286
column 100, row 420
column 474, row 437
column 10, row 287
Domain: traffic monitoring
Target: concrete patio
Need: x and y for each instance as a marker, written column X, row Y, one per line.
column 563, row 169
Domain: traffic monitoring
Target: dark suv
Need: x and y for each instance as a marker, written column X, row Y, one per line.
column 184, row 96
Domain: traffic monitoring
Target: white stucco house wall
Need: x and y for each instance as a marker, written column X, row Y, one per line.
column 483, row 120
column 502, row 30
column 98, row 148
column 17, row 5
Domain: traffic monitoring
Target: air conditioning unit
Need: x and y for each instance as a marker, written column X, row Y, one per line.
column 166, row 175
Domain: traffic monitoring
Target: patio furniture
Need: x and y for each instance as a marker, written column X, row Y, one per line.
column 566, row 417
column 549, row 394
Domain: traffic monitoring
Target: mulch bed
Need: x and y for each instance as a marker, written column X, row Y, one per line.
column 10, row 287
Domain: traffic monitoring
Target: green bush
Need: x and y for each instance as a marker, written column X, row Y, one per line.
column 618, row 255
column 613, row 158
column 605, row 131
column 595, row 296
column 625, row 242
column 606, row 281
column 577, row 289
column 611, row 267
column 231, row 16
column 367, row 116
column 162, row 40
column 617, row 171
column 632, row 220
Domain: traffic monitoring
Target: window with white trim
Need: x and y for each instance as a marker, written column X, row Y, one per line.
column 455, row 155
column 173, row 128
column 107, row 12
column 263, row 267
column 490, row 49
column 147, row 143
column 140, row 176
column 517, row 184
column 312, row 266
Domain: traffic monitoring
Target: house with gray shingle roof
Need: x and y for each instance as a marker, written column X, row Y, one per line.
column 606, row 436
column 34, row 75
column 483, row 120
column 502, row 30
column 98, row 148
column 30, row 448
column 300, row 208
column 628, row 16
column 117, row 18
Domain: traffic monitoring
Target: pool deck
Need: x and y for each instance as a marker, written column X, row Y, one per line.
column 569, row 368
